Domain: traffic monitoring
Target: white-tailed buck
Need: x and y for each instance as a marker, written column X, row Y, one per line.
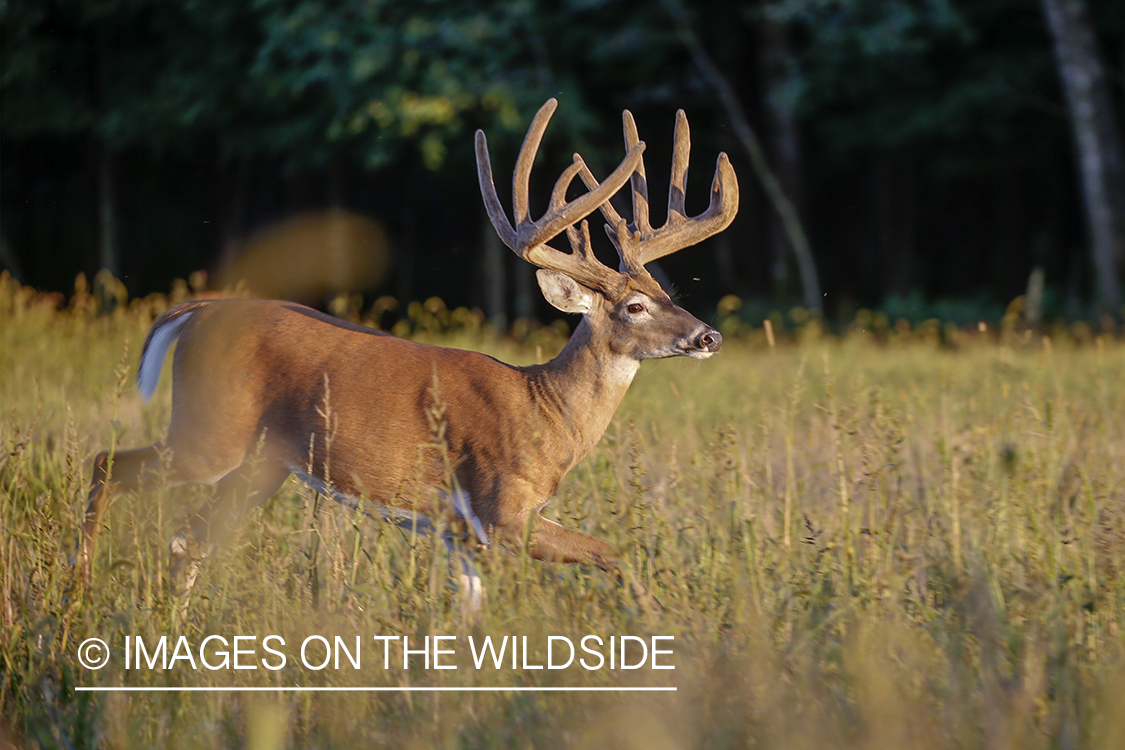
column 265, row 389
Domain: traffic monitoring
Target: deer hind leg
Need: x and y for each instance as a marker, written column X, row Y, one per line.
column 237, row 493
column 127, row 472
column 130, row 469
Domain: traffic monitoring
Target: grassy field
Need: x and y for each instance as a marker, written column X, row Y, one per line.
column 915, row 539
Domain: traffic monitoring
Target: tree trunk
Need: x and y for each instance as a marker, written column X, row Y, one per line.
column 730, row 276
column 1097, row 139
column 896, row 211
column 799, row 241
column 336, row 179
column 404, row 261
column 1011, row 262
column 783, row 142
column 234, row 212
column 495, row 286
column 524, row 289
column 9, row 261
column 108, row 257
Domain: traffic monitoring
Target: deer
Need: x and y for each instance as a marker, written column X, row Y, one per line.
column 265, row 389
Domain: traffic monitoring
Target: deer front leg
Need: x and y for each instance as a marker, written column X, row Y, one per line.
column 555, row 543
column 470, row 587
column 236, row 495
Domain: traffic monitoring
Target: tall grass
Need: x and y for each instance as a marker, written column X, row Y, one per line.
column 917, row 541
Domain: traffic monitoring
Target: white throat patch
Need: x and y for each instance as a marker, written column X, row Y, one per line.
column 621, row 370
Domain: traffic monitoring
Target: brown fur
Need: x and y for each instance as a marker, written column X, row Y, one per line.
column 251, row 375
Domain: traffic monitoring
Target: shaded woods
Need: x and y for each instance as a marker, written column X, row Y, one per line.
column 896, row 154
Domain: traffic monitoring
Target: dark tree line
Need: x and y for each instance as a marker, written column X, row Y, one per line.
column 888, row 150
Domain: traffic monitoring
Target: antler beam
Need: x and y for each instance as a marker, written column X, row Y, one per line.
column 528, row 238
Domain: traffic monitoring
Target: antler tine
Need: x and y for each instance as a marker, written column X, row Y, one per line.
column 558, row 194
column 527, row 237
column 579, row 239
column 488, row 193
column 521, row 177
column 639, row 182
column 646, row 244
column 677, row 184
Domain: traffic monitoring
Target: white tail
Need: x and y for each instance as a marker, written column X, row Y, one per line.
column 263, row 389
column 159, row 341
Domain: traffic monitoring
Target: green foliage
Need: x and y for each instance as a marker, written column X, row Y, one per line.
column 370, row 75
column 964, row 78
column 303, row 81
column 949, row 573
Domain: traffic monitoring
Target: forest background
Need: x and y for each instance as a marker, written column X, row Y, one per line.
column 920, row 156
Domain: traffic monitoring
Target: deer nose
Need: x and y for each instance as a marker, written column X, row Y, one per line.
column 710, row 340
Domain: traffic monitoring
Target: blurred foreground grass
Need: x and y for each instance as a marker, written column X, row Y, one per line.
column 911, row 542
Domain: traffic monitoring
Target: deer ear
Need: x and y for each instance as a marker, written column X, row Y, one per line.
column 564, row 293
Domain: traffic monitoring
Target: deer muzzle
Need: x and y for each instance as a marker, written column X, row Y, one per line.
column 705, row 343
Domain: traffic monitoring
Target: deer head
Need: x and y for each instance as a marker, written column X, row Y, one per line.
column 627, row 308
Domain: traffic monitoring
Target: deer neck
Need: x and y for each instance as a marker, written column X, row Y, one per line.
column 584, row 385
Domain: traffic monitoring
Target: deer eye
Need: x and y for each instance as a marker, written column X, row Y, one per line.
column 636, row 308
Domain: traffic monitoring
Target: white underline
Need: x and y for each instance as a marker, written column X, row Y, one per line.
column 532, row 689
